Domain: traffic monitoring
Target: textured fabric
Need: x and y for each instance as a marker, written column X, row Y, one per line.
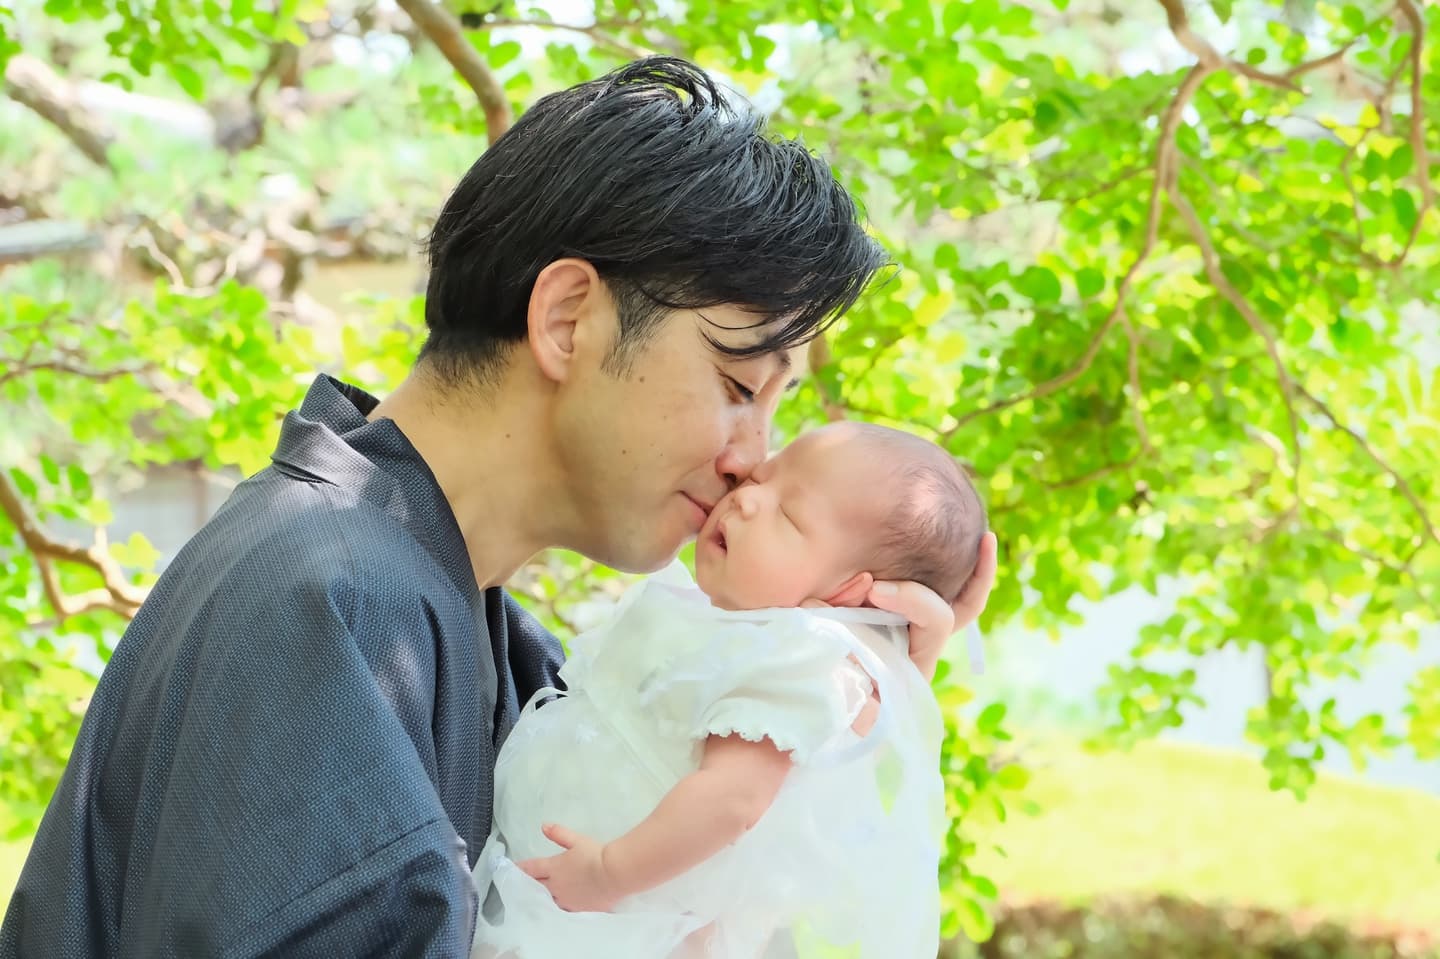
column 844, row 859
column 291, row 751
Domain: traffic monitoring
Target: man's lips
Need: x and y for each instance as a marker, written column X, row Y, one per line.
column 704, row 508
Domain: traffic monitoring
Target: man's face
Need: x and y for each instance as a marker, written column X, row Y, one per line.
column 648, row 454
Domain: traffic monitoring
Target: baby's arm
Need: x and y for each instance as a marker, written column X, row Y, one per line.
column 705, row 812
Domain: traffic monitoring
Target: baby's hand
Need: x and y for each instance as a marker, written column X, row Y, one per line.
column 576, row 878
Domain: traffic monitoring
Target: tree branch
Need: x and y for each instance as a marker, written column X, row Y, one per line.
column 1401, row 483
column 58, row 366
column 1401, row 568
column 1133, row 365
column 1421, row 158
column 1070, row 482
column 1345, row 162
column 1334, row 56
column 837, row 408
column 1208, row 56
column 594, row 32
column 818, row 357
column 33, row 85
column 118, row 595
column 1165, row 173
column 1227, row 290
column 443, row 30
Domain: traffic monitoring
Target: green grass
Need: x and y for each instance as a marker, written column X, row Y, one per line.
column 1202, row 823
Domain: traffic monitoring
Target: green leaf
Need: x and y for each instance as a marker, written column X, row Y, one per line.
column 1039, row 284
column 990, row 718
column 1373, row 165
column 957, row 13
column 1405, row 211
column 79, row 481
column 1012, row 777
column 189, row 79
column 947, row 257
column 1046, row 116
column 1106, row 499
column 1401, row 160
column 761, row 48
column 1089, row 282
column 24, row 483
column 502, row 54
column 975, row 921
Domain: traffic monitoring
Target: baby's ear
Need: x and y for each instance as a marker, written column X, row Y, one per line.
column 853, row 591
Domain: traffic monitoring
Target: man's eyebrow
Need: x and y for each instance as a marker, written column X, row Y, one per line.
column 785, row 364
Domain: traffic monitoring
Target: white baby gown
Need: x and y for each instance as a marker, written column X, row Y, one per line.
column 843, row 864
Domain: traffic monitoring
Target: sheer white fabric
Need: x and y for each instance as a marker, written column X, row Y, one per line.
column 843, row 863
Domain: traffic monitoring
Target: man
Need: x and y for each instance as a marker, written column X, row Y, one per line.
column 291, row 751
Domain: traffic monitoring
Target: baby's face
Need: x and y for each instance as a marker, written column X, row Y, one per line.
column 799, row 528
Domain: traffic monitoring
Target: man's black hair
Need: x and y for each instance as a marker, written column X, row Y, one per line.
column 671, row 192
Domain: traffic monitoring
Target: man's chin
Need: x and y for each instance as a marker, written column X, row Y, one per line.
column 641, row 563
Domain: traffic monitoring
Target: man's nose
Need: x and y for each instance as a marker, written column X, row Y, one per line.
column 746, row 450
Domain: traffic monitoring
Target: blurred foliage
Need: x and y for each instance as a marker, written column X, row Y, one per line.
column 1170, row 818
column 1166, row 291
column 1166, row 928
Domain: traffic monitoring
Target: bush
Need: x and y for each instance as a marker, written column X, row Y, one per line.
column 1172, row 928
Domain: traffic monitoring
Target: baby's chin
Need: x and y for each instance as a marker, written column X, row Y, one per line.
column 719, row 596
column 723, row 596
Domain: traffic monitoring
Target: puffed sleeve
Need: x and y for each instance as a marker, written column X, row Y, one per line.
column 788, row 679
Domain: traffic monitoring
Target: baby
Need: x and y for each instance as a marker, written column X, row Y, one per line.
column 729, row 774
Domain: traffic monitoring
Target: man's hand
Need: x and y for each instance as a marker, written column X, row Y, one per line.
column 932, row 620
column 576, row 878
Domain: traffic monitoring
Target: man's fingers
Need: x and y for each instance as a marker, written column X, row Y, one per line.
column 972, row 599
column 926, row 612
column 931, row 620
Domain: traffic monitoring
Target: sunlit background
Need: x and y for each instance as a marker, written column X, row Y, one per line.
column 1166, row 286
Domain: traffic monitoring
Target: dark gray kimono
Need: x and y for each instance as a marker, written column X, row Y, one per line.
column 291, row 751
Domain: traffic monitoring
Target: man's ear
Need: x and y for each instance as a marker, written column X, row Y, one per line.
column 564, row 293
column 853, row 591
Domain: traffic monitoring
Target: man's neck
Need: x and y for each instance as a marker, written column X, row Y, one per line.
column 489, row 455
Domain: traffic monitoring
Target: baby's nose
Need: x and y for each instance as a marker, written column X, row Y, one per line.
column 745, row 502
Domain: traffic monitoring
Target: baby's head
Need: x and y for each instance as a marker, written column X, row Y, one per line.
column 838, row 508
